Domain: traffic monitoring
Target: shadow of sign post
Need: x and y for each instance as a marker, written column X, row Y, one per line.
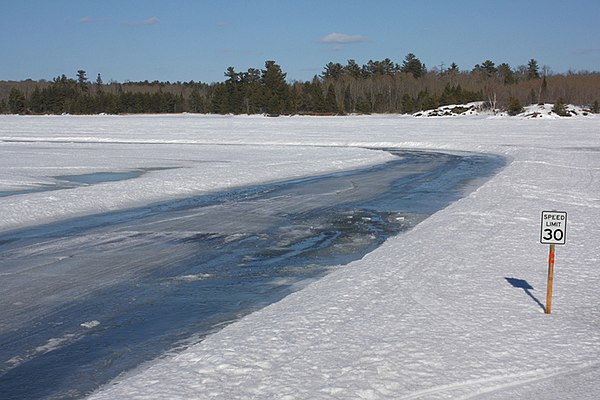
column 523, row 284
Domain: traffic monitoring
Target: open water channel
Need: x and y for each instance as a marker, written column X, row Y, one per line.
column 84, row 300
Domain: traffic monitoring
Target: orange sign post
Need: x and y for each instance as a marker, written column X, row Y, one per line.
column 550, row 279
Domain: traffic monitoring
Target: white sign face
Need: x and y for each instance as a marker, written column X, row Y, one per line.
column 554, row 227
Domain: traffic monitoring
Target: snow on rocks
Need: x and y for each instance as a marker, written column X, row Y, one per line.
column 531, row 111
column 549, row 111
column 453, row 110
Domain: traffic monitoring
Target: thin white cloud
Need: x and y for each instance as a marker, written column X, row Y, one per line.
column 86, row 19
column 147, row 22
column 342, row 38
column 151, row 21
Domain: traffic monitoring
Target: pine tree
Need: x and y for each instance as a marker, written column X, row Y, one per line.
column 560, row 108
column 506, row 74
column 219, row 99
column 453, row 72
column 82, row 81
column 408, row 105
column 532, row 70
column 234, row 91
column 514, row 106
column 36, row 101
column 363, row 106
column 276, row 88
column 196, row 102
column 348, row 101
column 330, row 100
column 316, row 100
column 453, row 68
column 16, row 102
column 99, row 84
column 252, row 91
column 353, row 69
column 488, row 68
column 332, row 71
column 413, row 65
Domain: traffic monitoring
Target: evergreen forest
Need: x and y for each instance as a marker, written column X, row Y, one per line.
column 375, row 87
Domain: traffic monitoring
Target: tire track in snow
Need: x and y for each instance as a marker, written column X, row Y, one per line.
column 483, row 386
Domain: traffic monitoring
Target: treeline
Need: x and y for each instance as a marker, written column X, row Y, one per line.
column 376, row 87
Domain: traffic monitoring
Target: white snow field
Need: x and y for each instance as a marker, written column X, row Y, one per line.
column 439, row 312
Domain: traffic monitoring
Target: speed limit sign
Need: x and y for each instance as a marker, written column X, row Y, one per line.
column 554, row 227
column 553, row 232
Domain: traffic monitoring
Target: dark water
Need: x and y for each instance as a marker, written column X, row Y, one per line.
column 62, row 182
column 84, row 300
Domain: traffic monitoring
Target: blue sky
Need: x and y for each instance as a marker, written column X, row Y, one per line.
column 182, row 40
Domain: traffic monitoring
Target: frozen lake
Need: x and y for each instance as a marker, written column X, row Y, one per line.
column 87, row 299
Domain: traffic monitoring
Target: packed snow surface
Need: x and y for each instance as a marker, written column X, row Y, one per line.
column 452, row 309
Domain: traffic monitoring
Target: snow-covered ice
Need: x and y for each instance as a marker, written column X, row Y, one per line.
column 430, row 314
column 181, row 156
